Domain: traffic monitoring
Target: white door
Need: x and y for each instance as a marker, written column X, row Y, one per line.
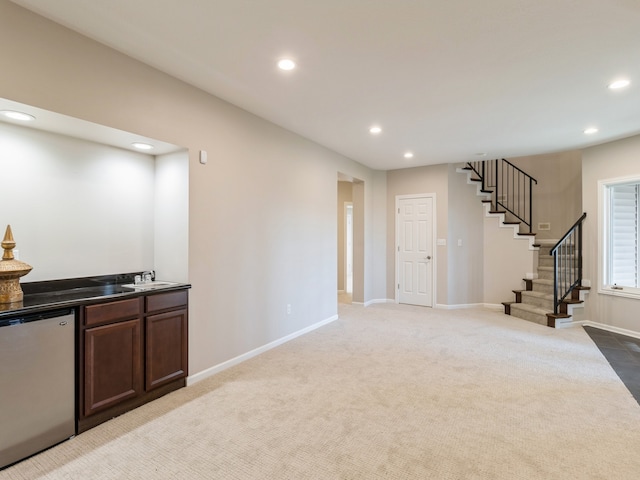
column 415, row 250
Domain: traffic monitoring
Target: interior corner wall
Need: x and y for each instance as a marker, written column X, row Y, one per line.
column 359, row 247
column 604, row 162
column 430, row 179
column 465, row 240
column 379, row 233
column 262, row 212
column 171, row 217
column 559, row 177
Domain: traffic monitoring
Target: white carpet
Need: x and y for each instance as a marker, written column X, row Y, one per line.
column 386, row 392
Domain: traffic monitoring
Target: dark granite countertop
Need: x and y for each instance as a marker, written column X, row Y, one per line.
column 74, row 292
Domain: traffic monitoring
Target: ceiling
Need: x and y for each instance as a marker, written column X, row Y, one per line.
column 445, row 79
column 75, row 127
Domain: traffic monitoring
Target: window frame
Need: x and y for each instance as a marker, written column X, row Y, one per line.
column 604, row 225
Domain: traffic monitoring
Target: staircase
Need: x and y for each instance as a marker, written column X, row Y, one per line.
column 553, row 292
column 536, row 302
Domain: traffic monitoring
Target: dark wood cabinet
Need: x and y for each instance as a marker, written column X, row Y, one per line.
column 166, row 353
column 131, row 352
column 112, row 364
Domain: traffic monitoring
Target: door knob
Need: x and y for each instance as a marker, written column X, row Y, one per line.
column 428, row 257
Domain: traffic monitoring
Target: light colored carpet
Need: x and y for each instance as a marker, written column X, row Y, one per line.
column 386, row 392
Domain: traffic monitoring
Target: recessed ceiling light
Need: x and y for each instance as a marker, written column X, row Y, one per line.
column 13, row 115
column 375, row 130
column 481, row 154
column 408, row 155
column 618, row 84
column 142, row 146
column 590, row 130
column 286, row 64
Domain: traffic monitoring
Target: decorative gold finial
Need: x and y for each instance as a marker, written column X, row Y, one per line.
column 8, row 243
column 10, row 271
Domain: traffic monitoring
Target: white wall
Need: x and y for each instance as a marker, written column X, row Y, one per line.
column 76, row 208
column 262, row 212
column 171, row 217
column 608, row 161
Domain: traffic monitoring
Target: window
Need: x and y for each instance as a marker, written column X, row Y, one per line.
column 621, row 249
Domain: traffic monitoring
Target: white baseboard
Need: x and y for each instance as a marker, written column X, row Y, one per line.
column 609, row 328
column 378, row 300
column 191, row 379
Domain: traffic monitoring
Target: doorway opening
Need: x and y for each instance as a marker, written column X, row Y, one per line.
column 348, row 247
column 350, row 268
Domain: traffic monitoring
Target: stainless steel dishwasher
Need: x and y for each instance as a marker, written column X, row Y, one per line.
column 37, row 383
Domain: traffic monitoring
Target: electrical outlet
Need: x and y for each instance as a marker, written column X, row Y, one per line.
column 288, row 309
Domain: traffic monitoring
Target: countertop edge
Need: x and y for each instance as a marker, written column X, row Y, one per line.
column 89, row 300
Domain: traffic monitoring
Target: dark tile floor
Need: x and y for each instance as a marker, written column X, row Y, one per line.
column 623, row 353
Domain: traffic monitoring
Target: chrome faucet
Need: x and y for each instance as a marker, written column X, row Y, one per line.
column 148, row 276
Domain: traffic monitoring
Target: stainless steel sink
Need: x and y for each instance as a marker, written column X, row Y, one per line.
column 149, row 285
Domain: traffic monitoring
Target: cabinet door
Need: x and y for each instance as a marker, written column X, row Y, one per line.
column 166, row 348
column 112, row 365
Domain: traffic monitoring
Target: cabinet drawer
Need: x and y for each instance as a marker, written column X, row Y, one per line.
column 164, row 301
column 112, row 311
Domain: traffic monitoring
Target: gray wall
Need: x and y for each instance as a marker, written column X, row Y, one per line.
column 262, row 212
column 557, row 198
column 431, row 179
column 466, row 223
column 605, row 162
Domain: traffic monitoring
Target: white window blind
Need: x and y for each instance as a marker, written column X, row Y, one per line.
column 623, row 235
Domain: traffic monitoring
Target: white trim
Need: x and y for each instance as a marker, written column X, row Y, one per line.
column 378, row 300
column 609, row 328
column 434, row 243
column 602, row 235
column 191, row 379
column 345, row 273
